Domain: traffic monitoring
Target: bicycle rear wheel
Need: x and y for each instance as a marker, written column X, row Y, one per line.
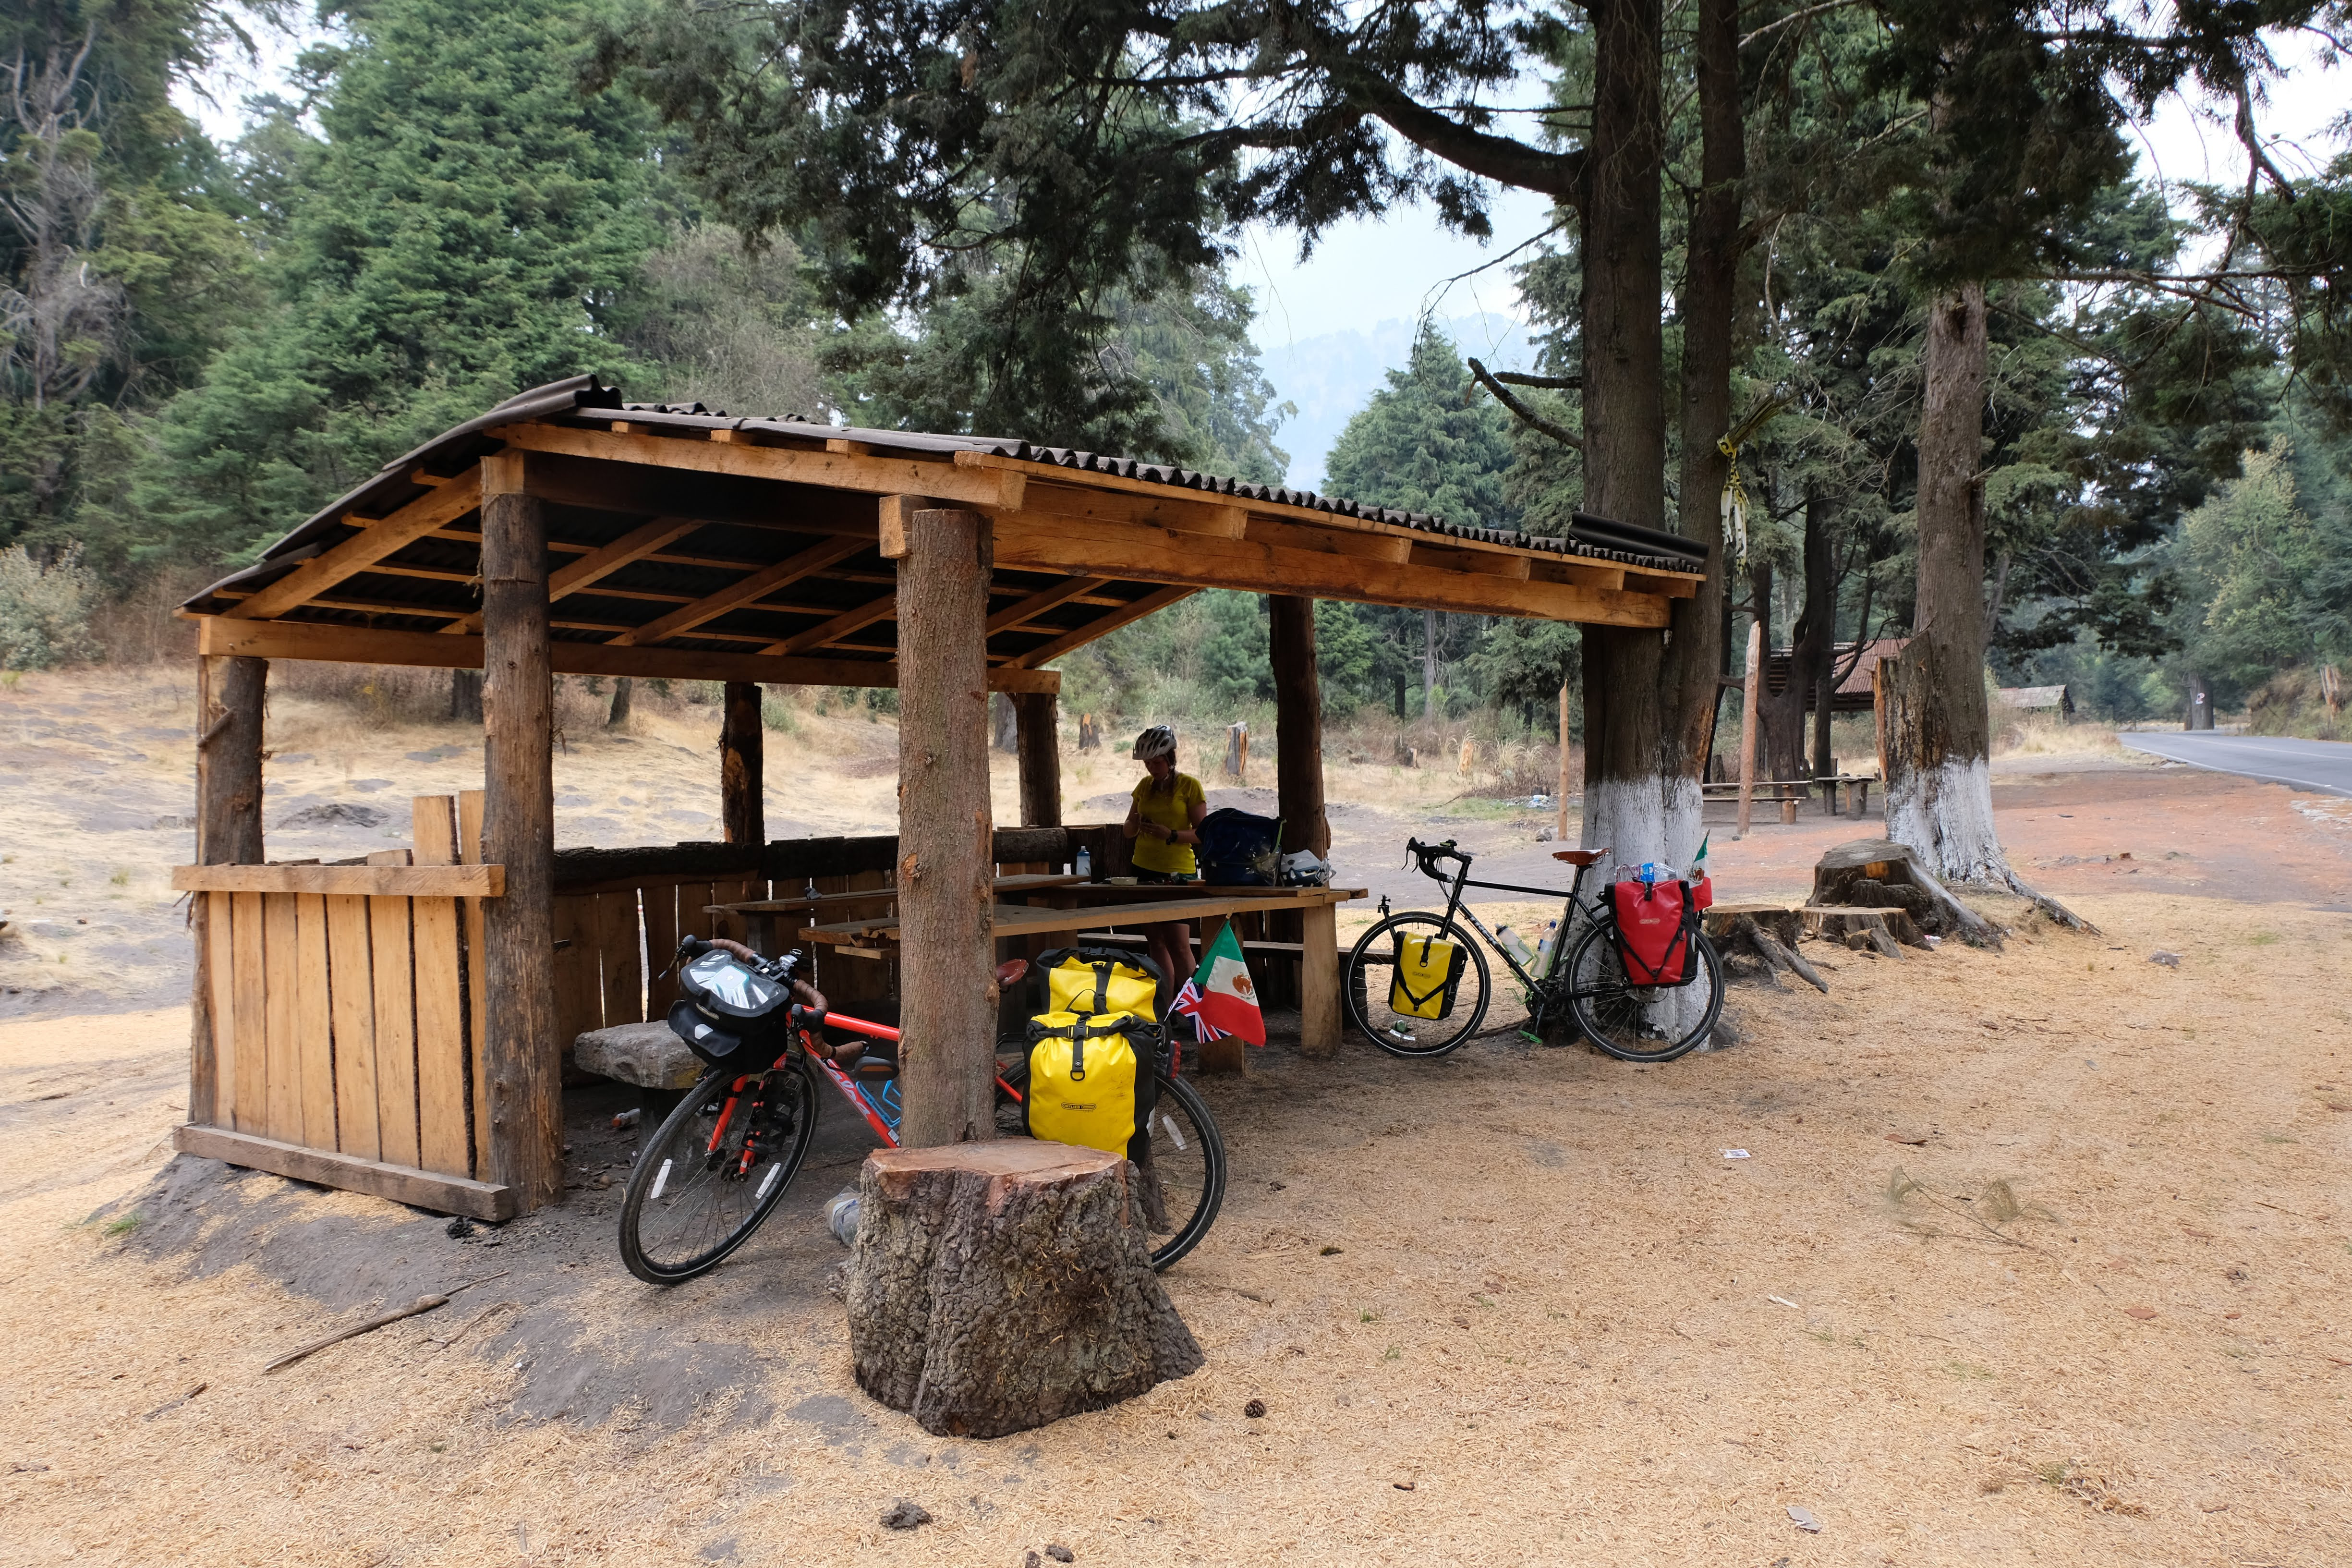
column 1641, row 1022
column 718, row 1167
column 1372, row 966
column 1184, row 1176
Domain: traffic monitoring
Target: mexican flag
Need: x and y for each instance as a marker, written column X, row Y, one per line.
column 1220, row 998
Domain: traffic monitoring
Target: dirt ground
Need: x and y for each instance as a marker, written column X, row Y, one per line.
column 2035, row 1256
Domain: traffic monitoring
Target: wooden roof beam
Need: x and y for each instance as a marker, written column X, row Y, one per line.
column 767, row 580
column 217, row 634
column 570, row 578
column 377, row 537
column 1082, row 589
column 840, row 626
column 1101, row 626
column 794, row 465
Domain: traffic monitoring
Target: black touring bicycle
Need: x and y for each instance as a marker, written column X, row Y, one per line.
column 1639, row 979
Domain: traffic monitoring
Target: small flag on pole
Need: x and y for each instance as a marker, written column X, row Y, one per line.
column 1220, row 998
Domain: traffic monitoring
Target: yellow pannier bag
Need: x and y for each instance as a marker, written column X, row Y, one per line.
column 1101, row 980
column 1090, row 1080
column 1428, row 973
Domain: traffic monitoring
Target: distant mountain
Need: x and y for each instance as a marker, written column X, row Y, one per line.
column 1332, row 376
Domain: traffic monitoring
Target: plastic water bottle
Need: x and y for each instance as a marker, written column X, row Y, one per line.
column 1085, row 863
column 1516, row 945
column 841, row 1215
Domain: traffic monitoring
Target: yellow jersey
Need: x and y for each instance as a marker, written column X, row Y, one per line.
column 1170, row 809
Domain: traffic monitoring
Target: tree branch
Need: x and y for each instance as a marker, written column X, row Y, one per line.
column 1558, row 432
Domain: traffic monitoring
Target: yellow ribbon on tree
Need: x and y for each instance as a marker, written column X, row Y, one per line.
column 1734, row 494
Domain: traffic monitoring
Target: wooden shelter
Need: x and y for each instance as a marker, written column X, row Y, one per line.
column 566, row 532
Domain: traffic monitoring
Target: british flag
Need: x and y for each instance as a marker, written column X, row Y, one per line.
column 1192, row 1005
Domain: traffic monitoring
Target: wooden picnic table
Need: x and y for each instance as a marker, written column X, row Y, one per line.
column 759, row 915
column 1058, row 906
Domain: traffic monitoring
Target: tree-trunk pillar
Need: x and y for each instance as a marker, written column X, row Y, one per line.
column 522, row 1053
column 1560, row 803
column 1748, row 710
column 1298, row 725
column 230, row 697
column 1939, row 786
column 2200, row 704
column 742, row 788
column 946, row 838
column 1038, row 742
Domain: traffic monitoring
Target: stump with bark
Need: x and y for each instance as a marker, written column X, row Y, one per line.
column 1881, row 873
column 996, row 1287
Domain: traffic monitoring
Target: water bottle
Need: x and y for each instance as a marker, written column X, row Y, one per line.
column 1514, row 944
column 1649, row 873
column 1544, row 947
column 1085, row 863
column 841, row 1215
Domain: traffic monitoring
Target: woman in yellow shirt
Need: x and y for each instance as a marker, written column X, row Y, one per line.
column 1164, row 821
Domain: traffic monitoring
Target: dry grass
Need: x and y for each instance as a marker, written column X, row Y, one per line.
column 2094, row 1318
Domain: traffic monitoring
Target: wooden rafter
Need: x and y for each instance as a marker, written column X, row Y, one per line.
column 376, row 539
column 1085, row 589
column 1101, row 625
column 431, row 650
column 839, row 627
column 570, row 578
column 767, row 580
column 794, row 465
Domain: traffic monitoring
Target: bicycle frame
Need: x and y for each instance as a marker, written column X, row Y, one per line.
column 879, row 1112
column 1598, row 911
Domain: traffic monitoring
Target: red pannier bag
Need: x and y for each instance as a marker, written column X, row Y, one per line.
column 1655, row 923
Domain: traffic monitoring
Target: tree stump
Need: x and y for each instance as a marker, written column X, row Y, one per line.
column 1897, row 880
column 1836, row 922
column 999, row 1286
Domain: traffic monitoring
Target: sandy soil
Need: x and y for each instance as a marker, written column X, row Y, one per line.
column 1517, row 1305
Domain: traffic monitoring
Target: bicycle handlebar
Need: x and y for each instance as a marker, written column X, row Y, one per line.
column 1429, row 855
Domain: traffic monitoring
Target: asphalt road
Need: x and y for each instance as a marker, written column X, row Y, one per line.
column 2321, row 765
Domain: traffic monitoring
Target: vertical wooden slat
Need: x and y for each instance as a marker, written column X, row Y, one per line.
column 444, row 1142
column 313, row 1021
column 469, row 851
column 281, row 944
column 393, row 972
column 220, row 956
column 670, row 913
column 616, row 941
column 579, row 1003
column 249, row 964
column 352, row 995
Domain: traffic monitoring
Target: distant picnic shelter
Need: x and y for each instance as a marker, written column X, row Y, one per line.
column 399, row 1027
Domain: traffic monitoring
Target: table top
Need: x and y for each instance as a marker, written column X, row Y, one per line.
column 1017, row 919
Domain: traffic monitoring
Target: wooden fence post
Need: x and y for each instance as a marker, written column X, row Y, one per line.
column 1560, row 802
column 742, row 776
column 230, row 696
column 1297, row 724
column 526, row 1086
column 946, row 838
column 1038, row 742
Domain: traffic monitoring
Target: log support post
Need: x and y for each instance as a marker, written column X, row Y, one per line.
column 948, row 993
column 230, row 695
column 1297, row 724
column 1038, row 743
column 742, row 788
column 1749, row 710
column 521, row 1053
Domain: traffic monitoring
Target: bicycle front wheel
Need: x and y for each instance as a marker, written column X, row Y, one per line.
column 1641, row 1022
column 718, row 1167
column 1371, row 994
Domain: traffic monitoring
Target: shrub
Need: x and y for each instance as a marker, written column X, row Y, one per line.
column 44, row 610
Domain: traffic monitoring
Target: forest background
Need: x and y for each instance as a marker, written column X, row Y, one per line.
column 201, row 343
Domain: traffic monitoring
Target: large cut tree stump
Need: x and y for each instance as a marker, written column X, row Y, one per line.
column 1878, row 873
column 996, row 1287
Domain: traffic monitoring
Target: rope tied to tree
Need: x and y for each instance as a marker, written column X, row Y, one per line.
column 1734, row 494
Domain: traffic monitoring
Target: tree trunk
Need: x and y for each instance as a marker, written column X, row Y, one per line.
column 1939, row 792
column 946, row 859
column 742, row 772
column 1809, row 649
column 2200, row 704
column 523, row 1056
column 1003, row 723
column 1429, row 665
column 1039, row 741
column 1298, row 725
column 624, row 689
column 466, row 696
column 996, row 1289
column 1641, row 795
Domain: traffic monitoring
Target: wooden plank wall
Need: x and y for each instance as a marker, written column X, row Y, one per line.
column 349, row 1022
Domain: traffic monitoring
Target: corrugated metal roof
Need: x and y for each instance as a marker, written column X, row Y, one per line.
column 584, row 400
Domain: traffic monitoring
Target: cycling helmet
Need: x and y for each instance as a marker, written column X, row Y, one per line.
column 1160, row 740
